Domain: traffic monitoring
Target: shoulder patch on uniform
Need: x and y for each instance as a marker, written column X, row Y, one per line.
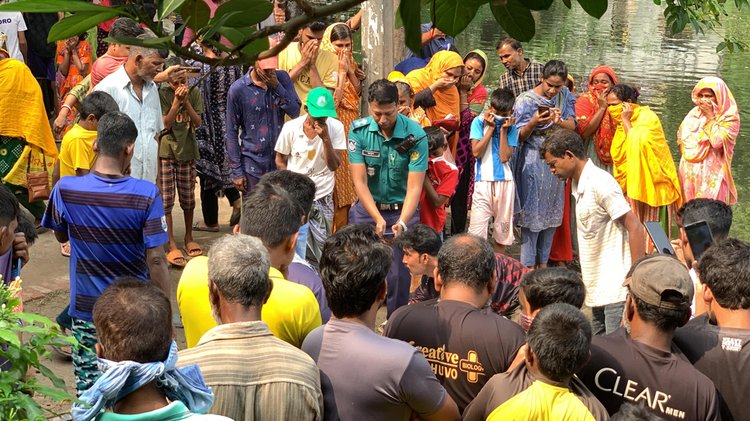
column 414, row 156
column 360, row 123
column 352, row 146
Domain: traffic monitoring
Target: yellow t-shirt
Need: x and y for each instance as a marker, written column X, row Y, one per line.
column 542, row 402
column 77, row 150
column 327, row 65
column 291, row 311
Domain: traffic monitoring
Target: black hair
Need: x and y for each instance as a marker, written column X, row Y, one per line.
column 9, row 207
column 725, row 269
column 383, row 92
column 435, row 138
column 631, row 412
column 97, row 104
column 299, row 186
column 422, row 239
column 543, row 287
column 555, row 68
column 514, row 44
column 717, row 214
column 270, row 214
column 115, row 132
column 125, row 28
column 467, row 259
column 625, row 93
column 133, row 320
column 173, row 61
column 26, row 226
column 316, row 26
column 476, row 56
column 664, row 319
column 560, row 337
column 340, row 32
column 502, row 100
column 561, row 141
column 353, row 267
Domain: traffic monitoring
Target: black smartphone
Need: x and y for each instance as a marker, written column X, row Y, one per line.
column 700, row 238
column 659, row 238
column 543, row 109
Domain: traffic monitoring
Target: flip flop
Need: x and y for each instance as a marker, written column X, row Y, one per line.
column 198, row 226
column 193, row 249
column 65, row 249
column 176, row 258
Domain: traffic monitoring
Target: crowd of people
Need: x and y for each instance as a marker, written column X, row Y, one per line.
column 413, row 206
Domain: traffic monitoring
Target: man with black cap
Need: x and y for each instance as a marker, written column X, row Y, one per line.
column 312, row 145
column 638, row 363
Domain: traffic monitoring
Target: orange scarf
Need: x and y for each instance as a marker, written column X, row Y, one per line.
column 586, row 106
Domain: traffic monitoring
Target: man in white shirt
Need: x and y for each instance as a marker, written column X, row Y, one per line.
column 312, row 145
column 133, row 88
column 13, row 26
column 610, row 235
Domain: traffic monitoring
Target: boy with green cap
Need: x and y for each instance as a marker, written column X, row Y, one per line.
column 312, row 145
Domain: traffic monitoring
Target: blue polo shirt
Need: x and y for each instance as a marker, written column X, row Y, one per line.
column 387, row 169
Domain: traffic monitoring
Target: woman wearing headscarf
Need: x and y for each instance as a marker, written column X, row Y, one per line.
column 643, row 165
column 595, row 125
column 538, row 112
column 707, row 137
column 26, row 141
column 337, row 39
column 440, row 76
column 472, row 96
column 407, row 98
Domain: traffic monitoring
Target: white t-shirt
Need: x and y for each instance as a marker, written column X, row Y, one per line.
column 602, row 241
column 11, row 23
column 306, row 155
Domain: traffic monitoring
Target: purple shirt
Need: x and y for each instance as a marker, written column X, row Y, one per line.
column 300, row 272
column 260, row 114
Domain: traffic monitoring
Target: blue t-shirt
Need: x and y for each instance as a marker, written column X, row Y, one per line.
column 490, row 167
column 110, row 224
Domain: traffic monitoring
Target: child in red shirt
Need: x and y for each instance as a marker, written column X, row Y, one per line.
column 439, row 182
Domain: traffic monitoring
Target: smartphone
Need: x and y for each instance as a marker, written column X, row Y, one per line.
column 659, row 238
column 543, row 109
column 700, row 237
column 191, row 72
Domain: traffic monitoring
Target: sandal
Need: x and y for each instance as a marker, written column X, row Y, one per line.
column 200, row 226
column 65, row 249
column 176, row 258
column 193, row 249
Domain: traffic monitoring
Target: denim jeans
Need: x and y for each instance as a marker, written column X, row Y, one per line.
column 536, row 246
column 606, row 319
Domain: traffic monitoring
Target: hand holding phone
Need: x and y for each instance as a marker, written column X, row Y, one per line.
column 543, row 109
column 659, row 238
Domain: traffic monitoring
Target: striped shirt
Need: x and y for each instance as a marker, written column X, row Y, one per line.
column 255, row 376
column 519, row 83
column 110, row 222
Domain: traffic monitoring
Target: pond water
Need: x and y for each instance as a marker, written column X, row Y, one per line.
column 631, row 37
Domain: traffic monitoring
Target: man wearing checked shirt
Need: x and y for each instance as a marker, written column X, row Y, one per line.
column 388, row 157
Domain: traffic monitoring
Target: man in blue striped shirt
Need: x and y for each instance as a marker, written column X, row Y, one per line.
column 116, row 227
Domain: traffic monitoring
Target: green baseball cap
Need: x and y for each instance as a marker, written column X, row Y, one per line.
column 320, row 103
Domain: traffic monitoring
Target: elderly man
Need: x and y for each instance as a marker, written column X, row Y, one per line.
column 133, row 88
column 252, row 374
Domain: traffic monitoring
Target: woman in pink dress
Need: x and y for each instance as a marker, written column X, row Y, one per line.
column 706, row 137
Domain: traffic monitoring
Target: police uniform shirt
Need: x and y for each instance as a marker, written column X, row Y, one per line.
column 624, row 370
column 387, row 169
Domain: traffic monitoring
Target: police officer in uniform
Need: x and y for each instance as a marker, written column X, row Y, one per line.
column 388, row 157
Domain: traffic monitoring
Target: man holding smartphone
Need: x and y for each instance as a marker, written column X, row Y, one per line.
column 610, row 236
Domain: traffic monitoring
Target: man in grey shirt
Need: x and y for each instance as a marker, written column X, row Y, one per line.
column 364, row 375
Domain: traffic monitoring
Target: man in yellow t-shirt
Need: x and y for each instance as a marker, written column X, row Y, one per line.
column 77, row 151
column 291, row 311
column 308, row 65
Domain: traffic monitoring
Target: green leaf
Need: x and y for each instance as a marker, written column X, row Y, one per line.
column 10, row 337
column 255, row 47
column 453, row 16
column 595, row 8
column 538, row 4
column 46, row 372
column 56, row 394
column 197, row 12
column 161, row 42
column 251, row 12
column 657, row 2
column 567, row 3
column 237, row 36
column 78, row 23
column 51, row 6
column 409, row 11
column 30, row 318
column 31, row 409
column 168, row 6
column 515, row 18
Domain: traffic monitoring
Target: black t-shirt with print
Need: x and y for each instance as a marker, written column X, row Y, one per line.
column 624, row 370
column 723, row 355
column 464, row 345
